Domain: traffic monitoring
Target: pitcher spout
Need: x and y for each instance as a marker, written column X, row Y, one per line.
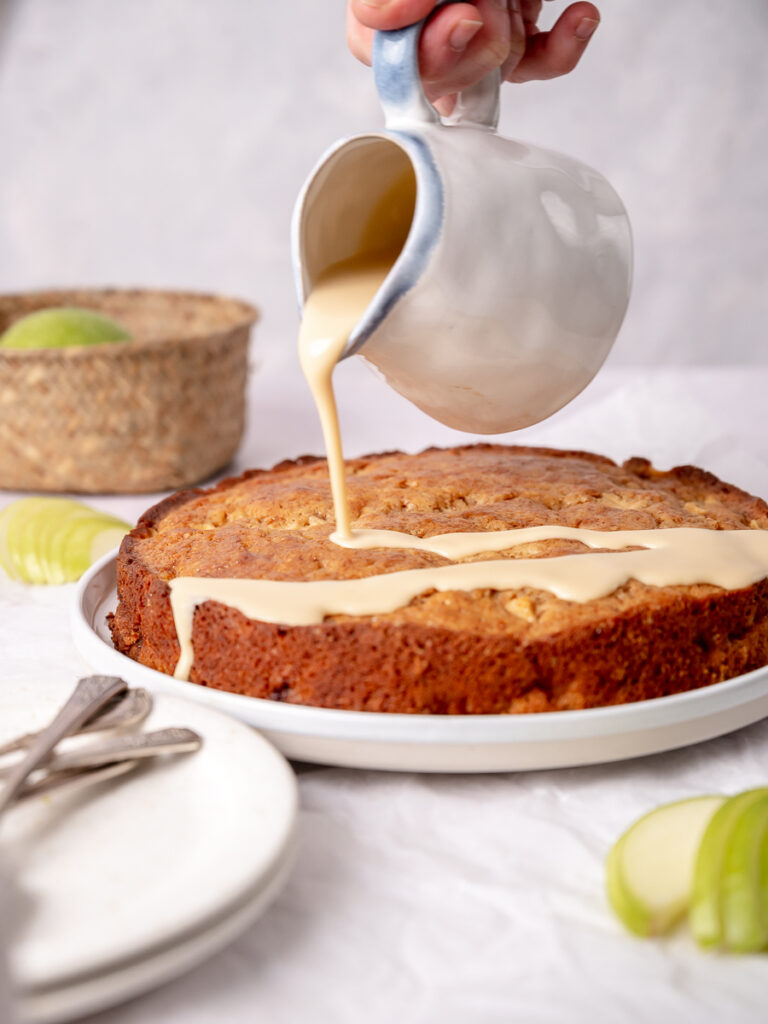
column 370, row 197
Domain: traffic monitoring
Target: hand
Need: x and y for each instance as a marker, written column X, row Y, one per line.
column 463, row 42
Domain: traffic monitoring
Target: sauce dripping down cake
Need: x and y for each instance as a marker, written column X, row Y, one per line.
column 457, row 646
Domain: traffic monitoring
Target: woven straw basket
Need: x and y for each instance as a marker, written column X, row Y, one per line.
column 161, row 411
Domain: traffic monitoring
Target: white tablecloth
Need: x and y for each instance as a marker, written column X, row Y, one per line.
column 450, row 898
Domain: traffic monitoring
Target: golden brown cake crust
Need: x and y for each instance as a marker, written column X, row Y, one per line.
column 455, row 652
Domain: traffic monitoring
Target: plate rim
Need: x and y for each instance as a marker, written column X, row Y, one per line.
column 405, row 729
column 72, row 998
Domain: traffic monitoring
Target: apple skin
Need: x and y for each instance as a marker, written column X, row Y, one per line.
column 705, row 915
column 650, row 868
column 62, row 328
column 744, row 885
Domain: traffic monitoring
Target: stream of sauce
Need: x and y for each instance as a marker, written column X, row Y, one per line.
column 338, row 300
column 731, row 559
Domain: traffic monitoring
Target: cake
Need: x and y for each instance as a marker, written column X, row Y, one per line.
column 457, row 652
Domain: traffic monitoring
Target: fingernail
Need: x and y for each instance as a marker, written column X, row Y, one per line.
column 463, row 34
column 375, row 3
column 586, row 28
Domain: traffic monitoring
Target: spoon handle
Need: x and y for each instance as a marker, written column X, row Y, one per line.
column 123, row 712
column 130, row 747
column 75, row 780
column 89, row 695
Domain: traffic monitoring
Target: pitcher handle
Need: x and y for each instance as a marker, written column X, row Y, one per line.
column 395, row 61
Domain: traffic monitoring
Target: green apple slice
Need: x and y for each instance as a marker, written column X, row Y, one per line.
column 23, row 542
column 650, row 868
column 54, row 540
column 106, row 540
column 39, row 517
column 706, row 917
column 25, row 525
column 11, row 519
column 743, row 889
column 73, row 545
column 47, row 526
column 16, row 554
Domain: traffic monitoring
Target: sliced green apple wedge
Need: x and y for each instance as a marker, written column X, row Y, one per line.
column 744, row 895
column 726, row 889
column 72, row 547
column 46, row 527
column 24, row 526
column 706, row 912
column 54, row 540
column 39, row 518
column 650, row 868
column 11, row 521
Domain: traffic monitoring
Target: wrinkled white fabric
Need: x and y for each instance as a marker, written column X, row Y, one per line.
column 7, row 1013
column 449, row 898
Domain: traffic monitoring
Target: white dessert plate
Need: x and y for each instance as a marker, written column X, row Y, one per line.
column 120, row 887
column 439, row 743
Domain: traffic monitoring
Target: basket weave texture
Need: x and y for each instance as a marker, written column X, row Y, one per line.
column 161, row 411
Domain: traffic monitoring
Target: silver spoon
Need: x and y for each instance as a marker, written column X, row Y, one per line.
column 129, row 747
column 74, row 780
column 90, row 694
column 125, row 711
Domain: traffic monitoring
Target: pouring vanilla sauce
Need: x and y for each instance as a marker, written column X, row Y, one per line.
column 337, row 301
column 731, row 559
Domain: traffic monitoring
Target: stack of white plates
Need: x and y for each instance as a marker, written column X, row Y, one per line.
column 125, row 885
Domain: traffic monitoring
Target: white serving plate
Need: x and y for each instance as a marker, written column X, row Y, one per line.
column 439, row 743
column 118, row 888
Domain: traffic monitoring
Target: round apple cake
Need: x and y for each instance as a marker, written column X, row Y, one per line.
column 464, row 651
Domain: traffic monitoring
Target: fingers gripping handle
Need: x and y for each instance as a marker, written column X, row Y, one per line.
column 396, row 73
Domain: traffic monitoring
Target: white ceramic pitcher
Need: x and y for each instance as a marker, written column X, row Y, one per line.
column 514, row 266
